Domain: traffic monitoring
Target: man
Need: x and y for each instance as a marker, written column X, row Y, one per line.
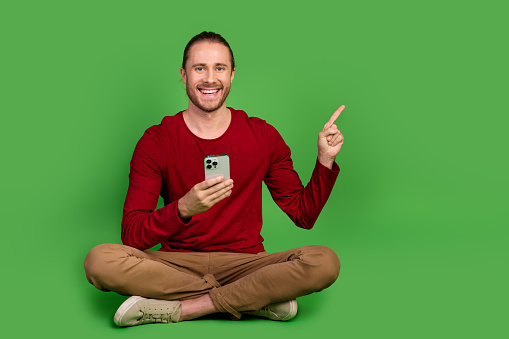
column 211, row 257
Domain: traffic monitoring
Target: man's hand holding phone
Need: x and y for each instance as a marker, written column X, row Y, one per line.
column 203, row 196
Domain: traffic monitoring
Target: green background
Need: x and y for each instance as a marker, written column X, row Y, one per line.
column 417, row 213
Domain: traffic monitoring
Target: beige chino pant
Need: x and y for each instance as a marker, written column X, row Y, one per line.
column 236, row 282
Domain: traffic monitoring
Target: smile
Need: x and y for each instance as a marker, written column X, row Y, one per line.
column 209, row 92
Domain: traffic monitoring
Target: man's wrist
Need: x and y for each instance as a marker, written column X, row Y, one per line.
column 181, row 212
column 326, row 161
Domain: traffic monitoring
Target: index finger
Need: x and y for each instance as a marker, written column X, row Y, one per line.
column 334, row 116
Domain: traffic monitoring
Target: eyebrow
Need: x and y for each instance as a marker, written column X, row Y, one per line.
column 202, row 64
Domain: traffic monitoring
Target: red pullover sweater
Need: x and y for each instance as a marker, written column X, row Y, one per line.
column 168, row 161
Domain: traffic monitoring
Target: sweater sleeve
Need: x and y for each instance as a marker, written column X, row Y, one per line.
column 142, row 226
column 301, row 204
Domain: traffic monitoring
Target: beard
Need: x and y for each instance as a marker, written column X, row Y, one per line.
column 208, row 105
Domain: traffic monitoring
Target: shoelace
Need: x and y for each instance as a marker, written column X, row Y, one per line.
column 268, row 310
column 156, row 317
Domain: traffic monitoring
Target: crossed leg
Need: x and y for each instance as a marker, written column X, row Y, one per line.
column 231, row 282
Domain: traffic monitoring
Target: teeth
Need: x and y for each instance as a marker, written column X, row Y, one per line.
column 209, row 91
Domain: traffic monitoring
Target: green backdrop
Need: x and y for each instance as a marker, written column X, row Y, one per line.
column 416, row 216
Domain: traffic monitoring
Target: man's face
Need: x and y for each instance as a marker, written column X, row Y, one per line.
column 208, row 75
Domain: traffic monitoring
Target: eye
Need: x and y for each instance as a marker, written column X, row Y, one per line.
column 220, row 69
column 199, row 69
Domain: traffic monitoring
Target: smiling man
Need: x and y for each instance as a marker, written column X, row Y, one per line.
column 212, row 257
column 209, row 80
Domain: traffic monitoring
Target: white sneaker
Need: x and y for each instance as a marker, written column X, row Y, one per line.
column 138, row 310
column 282, row 311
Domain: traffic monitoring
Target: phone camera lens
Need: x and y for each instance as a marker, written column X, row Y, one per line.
column 208, row 161
column 209, row 166
column 214, row 163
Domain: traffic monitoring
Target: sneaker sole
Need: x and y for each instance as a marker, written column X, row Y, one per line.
column 126, row 305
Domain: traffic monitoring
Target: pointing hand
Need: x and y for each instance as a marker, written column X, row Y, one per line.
column 330, row 140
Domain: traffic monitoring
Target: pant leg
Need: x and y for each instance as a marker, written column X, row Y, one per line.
column 151, row 274
column 236, row 282
column 249, row 282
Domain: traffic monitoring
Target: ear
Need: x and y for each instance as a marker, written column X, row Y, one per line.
column 232, row 76
column 183, row 75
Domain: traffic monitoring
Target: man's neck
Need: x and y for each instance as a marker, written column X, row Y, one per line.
column 207, row 125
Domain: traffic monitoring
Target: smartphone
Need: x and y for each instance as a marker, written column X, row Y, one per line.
column 216, row 165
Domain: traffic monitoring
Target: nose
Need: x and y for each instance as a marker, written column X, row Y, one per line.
column 211, row 76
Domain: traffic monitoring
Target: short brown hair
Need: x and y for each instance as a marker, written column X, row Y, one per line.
column 206, row 36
